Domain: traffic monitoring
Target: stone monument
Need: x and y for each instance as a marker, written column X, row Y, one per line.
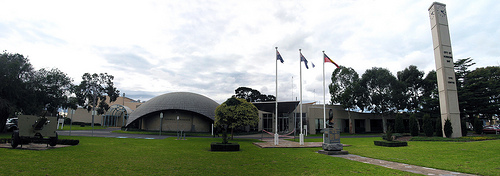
column 448, row 98
column 331, row 144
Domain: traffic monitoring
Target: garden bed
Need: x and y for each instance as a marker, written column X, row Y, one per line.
column 216, row 146
column 391, row 143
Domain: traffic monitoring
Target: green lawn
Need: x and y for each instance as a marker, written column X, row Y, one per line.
column 113, row 156
column 479, row 157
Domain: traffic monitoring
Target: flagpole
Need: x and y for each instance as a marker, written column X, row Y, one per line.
column 276, row 136
column 301, row 135
column 324, row 97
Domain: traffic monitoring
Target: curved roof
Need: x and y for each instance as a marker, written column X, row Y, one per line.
column 118, row 110
column 177, row 100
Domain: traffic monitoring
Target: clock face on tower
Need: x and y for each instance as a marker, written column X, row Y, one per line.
column 441, row 11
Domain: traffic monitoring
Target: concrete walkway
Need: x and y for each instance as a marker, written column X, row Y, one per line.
column 399, row 166
column 269, row 143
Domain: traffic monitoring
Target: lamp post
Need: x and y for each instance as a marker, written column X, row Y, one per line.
column 71, row 121
column 161, row 121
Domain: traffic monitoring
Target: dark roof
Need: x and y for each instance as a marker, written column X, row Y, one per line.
column 283, row 107
column 176, row 101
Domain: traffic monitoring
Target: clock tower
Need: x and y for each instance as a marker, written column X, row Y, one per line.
column 448, row 98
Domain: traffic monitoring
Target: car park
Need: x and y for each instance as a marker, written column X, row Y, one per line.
column 491, row 129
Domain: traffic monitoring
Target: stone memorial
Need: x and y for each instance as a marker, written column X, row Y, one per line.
column 331, row 144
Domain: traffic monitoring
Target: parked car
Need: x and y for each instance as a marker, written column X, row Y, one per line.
column 11, row 124
column 491, row 129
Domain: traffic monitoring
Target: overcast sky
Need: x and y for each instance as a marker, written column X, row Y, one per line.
column 214, row 47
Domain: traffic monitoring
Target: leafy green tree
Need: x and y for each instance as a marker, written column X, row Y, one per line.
column 94, row 88
column 344, row 90
column 377, row 86
column 465, row 98
column 412, row 80
column 15, row 72
column 399, row 126
column 430, row 96
column 252, row 95
column 235, row 112
column 428, row 127
column 448, row 129
column 27, row 91
column 53, row 88
column 413, row 125
column 482, row 92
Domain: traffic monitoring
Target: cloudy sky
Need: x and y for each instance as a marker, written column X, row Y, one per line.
column 214, row 47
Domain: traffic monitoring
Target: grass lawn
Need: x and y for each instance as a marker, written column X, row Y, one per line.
column 479, row 157
column 113, row 156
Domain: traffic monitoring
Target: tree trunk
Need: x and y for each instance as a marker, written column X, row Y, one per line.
column 232, row 135
column 351, row 130
column 384, row 123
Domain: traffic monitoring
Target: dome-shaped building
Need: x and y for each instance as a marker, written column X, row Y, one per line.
column 181, row 111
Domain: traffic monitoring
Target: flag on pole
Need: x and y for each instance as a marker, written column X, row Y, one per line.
column 302, row 58
column 278, row 56
column 327, row 59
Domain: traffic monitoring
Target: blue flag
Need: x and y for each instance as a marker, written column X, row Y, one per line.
column 278, row 56
column 302, row 58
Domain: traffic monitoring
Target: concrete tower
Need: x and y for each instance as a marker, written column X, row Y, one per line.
column 448, row 98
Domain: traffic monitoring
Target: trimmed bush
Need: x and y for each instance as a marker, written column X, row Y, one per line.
column 413, row 125
column 448, row 129
column 439, row 128
column 390, row 143
column 428, row 128
column 399, row 126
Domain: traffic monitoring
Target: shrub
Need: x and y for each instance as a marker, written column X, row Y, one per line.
column 439, row 128
column 478, row 125
column 413, row 125
column 463, row 125
column 428, row 128
column 388, row 134
column 448, row 129
column 399, row 126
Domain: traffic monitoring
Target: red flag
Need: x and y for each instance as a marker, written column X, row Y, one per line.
column 327, row 59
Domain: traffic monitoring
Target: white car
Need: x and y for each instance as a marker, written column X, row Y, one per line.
column 11, row 124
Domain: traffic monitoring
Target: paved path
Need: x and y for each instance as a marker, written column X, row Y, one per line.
column 269, row 143
column 399, row 166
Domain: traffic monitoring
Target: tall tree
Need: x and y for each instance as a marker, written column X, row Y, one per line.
column 53, row 88
column 233, row 113
column 15, row 71
column 465, row 101
column 482, row 92
column 344, row 90
column 430, row 96
column 252, row 95
column 378, row 97
column 412, row 79
column 94, row 88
